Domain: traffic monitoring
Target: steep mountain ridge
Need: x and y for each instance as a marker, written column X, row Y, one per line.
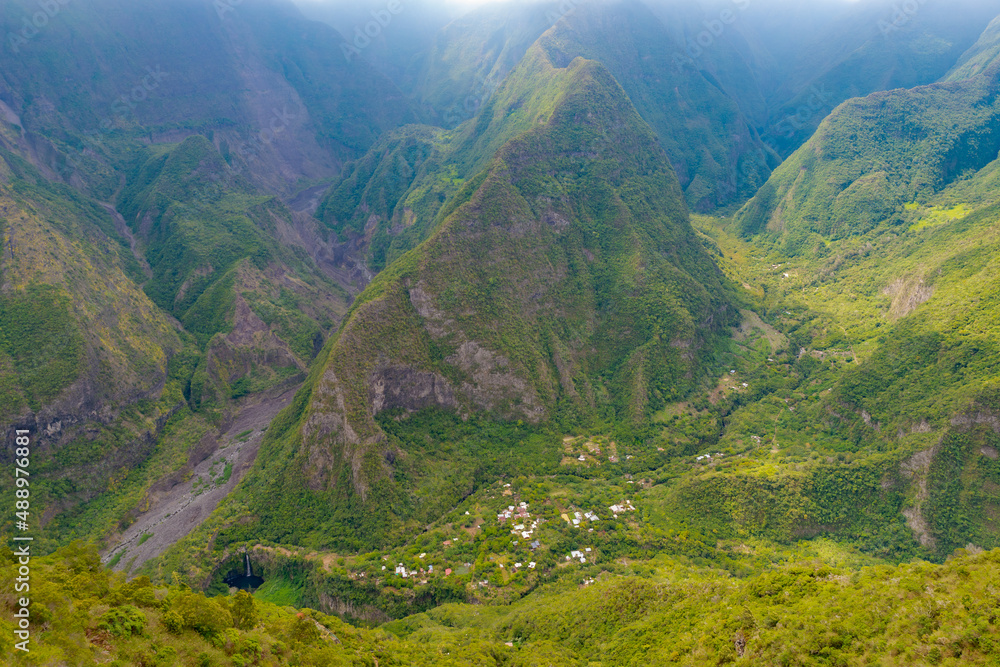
column 565, row 277
column 390, row 200
column 980, row 55
column 716, row 153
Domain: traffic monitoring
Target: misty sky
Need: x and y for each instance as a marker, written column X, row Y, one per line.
column 457, row 7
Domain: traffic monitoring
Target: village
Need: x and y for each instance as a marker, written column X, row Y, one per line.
column 492, row 555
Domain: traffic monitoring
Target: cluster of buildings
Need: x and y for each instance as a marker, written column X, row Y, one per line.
column 621, row 508
column 523, row 526
column 578, row 518
column 579, row 555
column 401, row 571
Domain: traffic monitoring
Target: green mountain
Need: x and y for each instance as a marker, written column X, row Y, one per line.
column 390, row 200
column 563, row 280
column 980, row 56
column 875, row 159
column 401, row 320
column 171, row 284
column 712, row 147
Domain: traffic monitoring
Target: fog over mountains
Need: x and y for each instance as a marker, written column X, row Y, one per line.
column 479, row 333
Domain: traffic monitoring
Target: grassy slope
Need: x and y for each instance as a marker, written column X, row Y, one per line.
column 254, row 320
column 910, row 306
column 898, row 326
column 63, row 248
column 87, row 358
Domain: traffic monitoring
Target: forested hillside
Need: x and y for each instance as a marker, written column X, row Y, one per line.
column 621, row 332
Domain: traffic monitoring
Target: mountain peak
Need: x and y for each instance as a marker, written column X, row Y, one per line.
column 566, row 276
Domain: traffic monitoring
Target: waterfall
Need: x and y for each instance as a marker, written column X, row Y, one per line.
column 246, row 559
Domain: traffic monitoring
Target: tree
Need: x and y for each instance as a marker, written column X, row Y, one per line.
column 244, row 610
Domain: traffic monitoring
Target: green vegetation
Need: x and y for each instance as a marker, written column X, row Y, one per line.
column 122, row 621
column 401, row 191
column 604, row 241
column 717, row 155
column 216, row 268
column 562, row 424
column 40, row 344
column 860, row 171
column 402, row 183
column 800, row 613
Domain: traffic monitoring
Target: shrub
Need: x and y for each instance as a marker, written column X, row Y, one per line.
column 122, row 621
column 173, row 622
column 205, row 616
